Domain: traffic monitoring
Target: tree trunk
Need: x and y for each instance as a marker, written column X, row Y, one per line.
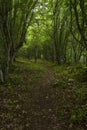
column 36, row 53
column 1, row 76
column 8, row 63
column 54, row 53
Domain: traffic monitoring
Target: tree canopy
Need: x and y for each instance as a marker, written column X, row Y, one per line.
column 55, row 30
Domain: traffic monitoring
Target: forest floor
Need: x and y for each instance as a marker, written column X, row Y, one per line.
column 43, row 96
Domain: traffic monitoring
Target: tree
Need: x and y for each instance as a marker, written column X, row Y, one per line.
column 15, row 18
column 79, row 9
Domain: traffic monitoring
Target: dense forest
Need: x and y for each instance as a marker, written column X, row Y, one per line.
column 43, row 65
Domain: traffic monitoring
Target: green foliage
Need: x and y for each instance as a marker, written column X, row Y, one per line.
column 79, row 72
column 80, row 114
column 81, row 94
column 54, row 32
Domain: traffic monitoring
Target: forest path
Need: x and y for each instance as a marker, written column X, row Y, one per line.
column 37, row 101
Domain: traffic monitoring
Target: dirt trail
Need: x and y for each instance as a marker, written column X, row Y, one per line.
column 39, row 108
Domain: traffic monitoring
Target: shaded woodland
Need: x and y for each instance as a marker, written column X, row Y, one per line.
column 54, row 30
column 43, row 64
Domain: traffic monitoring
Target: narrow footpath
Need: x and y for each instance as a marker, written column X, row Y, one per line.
column 37, row 100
